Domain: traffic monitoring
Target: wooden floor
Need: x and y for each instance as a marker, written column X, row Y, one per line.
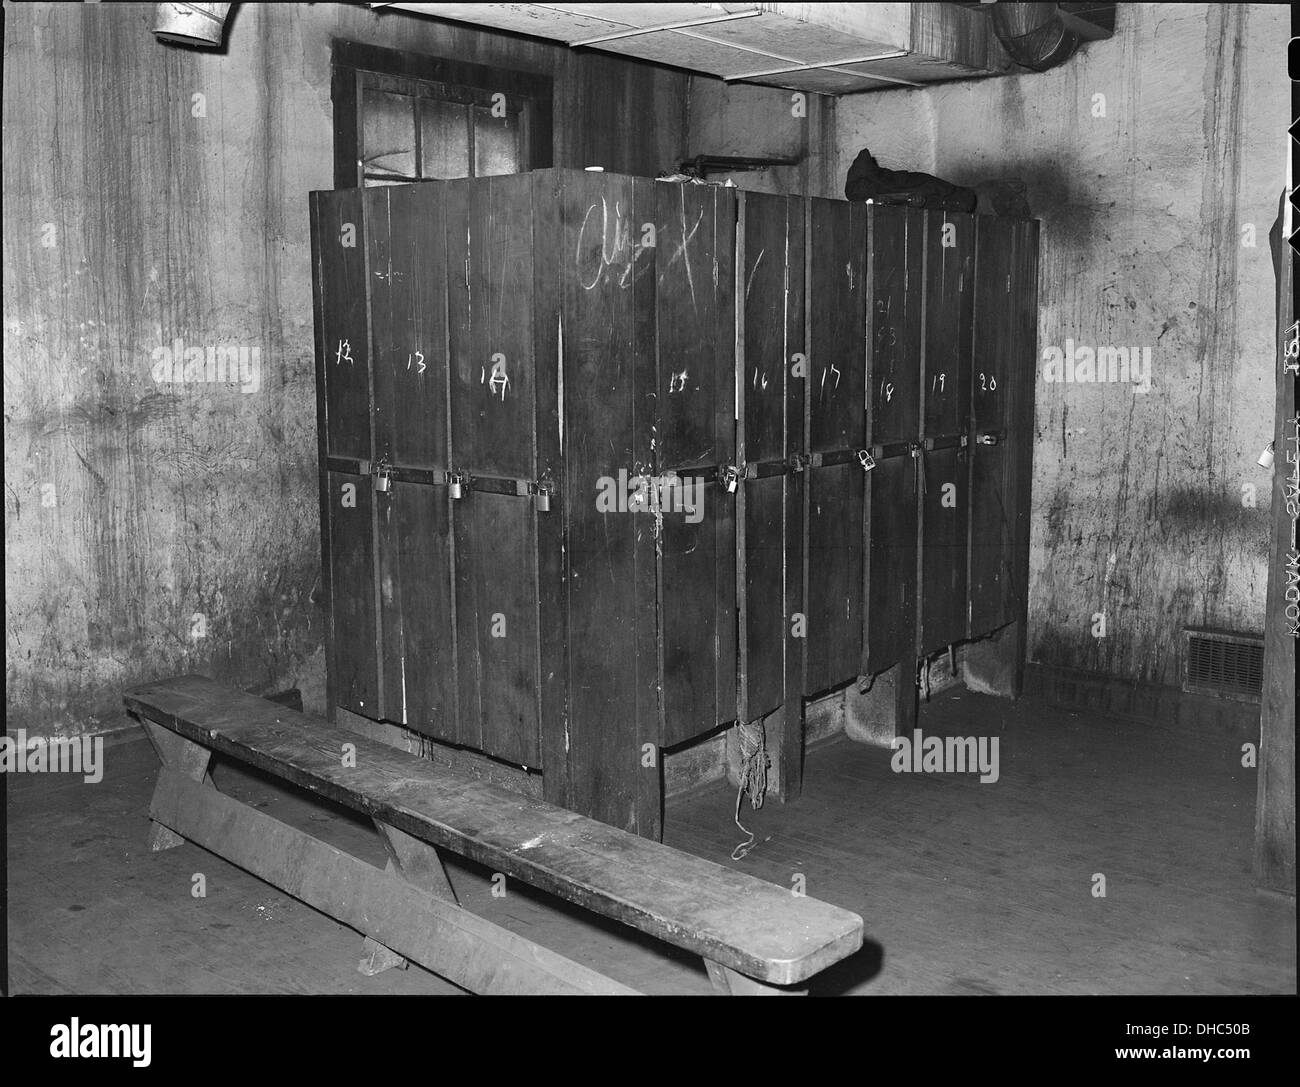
column 965, row 888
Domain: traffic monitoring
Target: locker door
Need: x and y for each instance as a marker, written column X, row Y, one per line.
column 896, row 255
column 945, row 394
column 345, row 449
column 696, row 428
column 596, row 282
column 1002, row 388
column 493, row 530
column 405, row 234
column 771, row 418
column 351, row 574
column 837, row 292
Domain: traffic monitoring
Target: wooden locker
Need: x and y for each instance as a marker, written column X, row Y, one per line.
column 346, row 450
column 896, row 254
column 945, row 396
column 594, row 274
column 1002, row 390
column 836, row 479
column 493, row 407
column 407, row 261
column 695, row 425
column 771, row 381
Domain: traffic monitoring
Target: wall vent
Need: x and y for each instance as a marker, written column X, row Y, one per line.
column 1224, row 663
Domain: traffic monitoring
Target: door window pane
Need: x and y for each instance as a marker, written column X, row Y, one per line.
column 388, row 134
column 444, row 139
column 496, row 143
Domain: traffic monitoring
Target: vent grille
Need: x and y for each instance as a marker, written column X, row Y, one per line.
column 1223, row 663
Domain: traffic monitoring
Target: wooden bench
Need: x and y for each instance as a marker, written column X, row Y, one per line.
column 754, row 936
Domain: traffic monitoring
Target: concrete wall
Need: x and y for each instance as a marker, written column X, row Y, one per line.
column 155, row 528
column 1150, row 158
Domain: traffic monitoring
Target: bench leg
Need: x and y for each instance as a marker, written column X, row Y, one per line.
column 418, row 863
column 726, row 982
column 186, row 758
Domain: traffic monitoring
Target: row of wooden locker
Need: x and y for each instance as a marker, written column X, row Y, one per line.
column 845, row 391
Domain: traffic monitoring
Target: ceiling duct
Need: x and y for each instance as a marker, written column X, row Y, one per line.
column 201, row 25
column 1044, row 36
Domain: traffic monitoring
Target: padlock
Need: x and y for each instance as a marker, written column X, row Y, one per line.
column 865, row 459
column 456, row 484
column 543, row 496
column 730, row 477
column 383, row 476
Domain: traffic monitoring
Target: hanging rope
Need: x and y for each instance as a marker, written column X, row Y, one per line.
column 753, row 778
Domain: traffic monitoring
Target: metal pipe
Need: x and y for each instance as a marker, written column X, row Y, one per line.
column 191, row 24
column 704, row 21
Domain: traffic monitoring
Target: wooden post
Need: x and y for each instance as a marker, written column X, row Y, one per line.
column 1275, row 806
column 186, row 758
column 727, row 982
column 418, row 863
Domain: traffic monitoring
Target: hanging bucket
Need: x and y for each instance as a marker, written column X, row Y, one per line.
column 191, row 24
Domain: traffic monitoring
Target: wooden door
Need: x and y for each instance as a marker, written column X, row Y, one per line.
column 595, row 256
column 405, row 234
column 773, row 374
column 493, row 385
column 836, row 479
column 695, row 403
column 1002, row 390
column 896, row 247
column 945, row 396
column 345, row 449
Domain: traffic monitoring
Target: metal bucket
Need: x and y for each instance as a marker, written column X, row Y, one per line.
column 191, row 24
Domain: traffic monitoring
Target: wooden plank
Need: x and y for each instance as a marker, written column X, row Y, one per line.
column 837, row 300
column 695, row 425
column 993, row 511
column 490, row 305
column 415, row 604
column 319, row 239
column 942, row 592
column 552, row 610
column 835, row 537
column 408, row 300
column 457, row 945
column 949, row 302
column 187, row 759
column 892, row 584
column 1025, row 366
column 837, row 304
column 727, row 982
column 344, row 345
column 896, row 253
column 352, row 574
column 699, row 675
column 766, row 628
column 754, row 927
column 496, row 626
column 1275, row 798
column 607, row 314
